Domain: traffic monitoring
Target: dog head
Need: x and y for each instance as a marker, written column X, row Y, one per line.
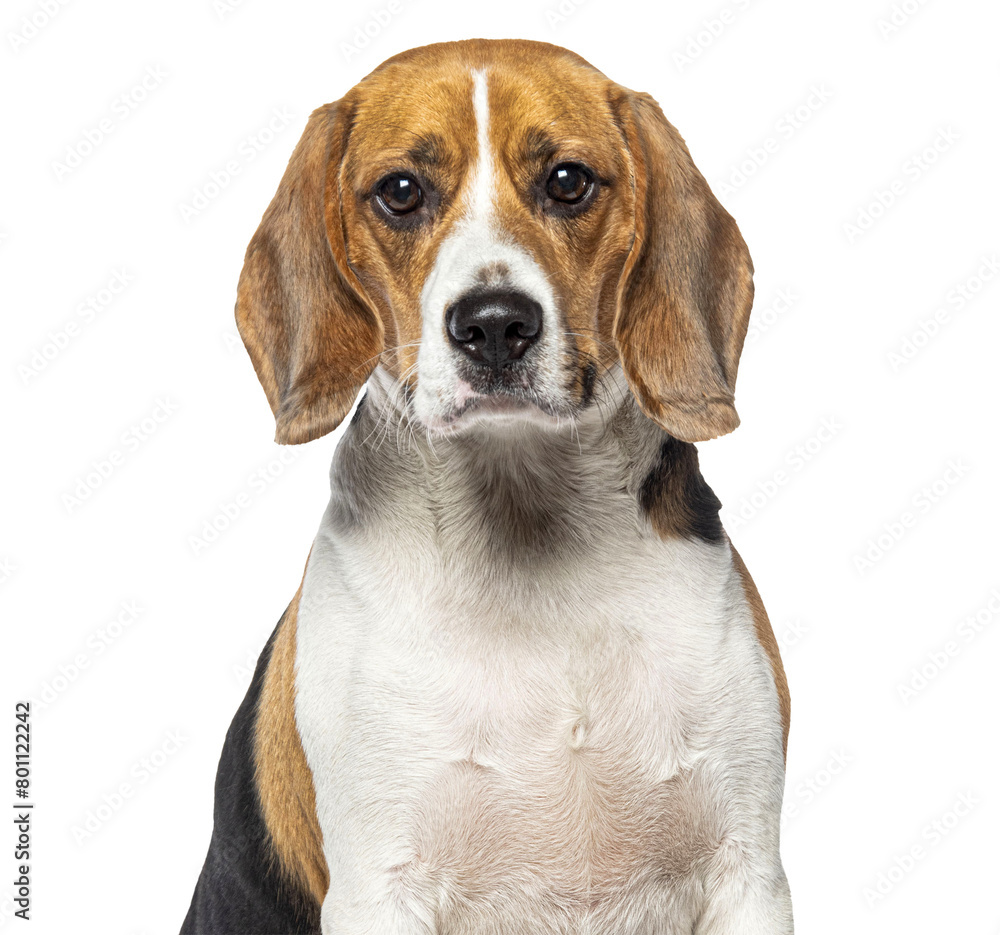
column 496, row 224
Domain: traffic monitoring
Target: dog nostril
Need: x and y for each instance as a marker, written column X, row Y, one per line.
column 494, row 328
column 468, row 335
column 519, row 336
column 522, row 329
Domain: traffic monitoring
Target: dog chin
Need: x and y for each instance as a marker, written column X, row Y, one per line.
column 499, row 411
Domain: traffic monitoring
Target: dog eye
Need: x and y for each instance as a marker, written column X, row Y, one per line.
column 569, row 183
column 400, row 194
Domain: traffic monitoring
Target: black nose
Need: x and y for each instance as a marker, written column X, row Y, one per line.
column 494, row 328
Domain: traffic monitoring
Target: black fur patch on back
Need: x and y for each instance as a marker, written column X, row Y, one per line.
column 240, row 891
column 675, row 496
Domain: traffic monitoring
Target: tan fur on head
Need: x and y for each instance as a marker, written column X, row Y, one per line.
column 312, row 334
column 656, row 270
column 687, row 288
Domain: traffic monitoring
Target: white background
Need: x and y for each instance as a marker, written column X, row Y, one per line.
column 853, row 111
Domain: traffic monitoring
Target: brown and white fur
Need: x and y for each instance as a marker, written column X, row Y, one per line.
column 527, row 685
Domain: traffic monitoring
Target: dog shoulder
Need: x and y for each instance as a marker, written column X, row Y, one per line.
column 265, row 870
column 767, row 640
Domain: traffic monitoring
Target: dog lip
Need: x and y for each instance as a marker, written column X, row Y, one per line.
column 494, row 406
column 499, row 402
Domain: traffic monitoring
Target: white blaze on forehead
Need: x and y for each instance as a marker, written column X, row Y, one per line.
column 481, row 206
column 476, row 242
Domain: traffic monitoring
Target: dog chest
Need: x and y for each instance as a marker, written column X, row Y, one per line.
column 568, row 744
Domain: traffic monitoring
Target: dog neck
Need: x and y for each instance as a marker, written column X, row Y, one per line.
column 514, row 493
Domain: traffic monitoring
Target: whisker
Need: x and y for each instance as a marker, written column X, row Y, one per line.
column 386, row 350
column 592, row 335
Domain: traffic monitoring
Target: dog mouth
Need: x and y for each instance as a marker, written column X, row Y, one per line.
column 517, row 394
column 498, row 404
column 501, row 404
column 503, row 396
column 476, row 385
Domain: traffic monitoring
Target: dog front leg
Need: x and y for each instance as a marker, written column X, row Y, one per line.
column 739, row 898
column 396, row 901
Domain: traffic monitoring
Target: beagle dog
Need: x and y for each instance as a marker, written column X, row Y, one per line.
column 527, row 684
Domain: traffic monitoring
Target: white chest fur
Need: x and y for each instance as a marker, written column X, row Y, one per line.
column 574, row 748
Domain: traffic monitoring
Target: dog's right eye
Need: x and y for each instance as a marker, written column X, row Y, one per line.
column 569, row 183
column 399, row 194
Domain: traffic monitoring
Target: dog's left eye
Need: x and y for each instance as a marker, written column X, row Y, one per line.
column 400, row 194
column 569, row 183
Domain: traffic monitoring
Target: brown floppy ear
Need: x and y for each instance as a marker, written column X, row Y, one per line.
column 687, row 285
column 312, row 334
